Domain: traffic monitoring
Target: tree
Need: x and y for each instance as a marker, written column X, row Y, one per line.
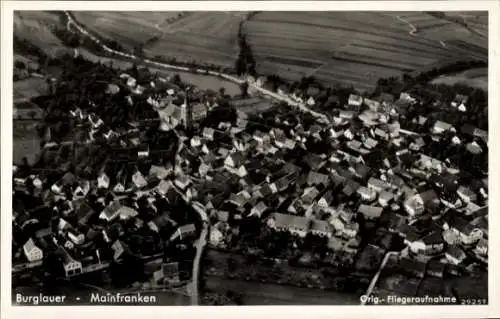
column 20, row 65
column 244, row 89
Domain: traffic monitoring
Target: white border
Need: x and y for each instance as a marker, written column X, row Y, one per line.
column 8, row 311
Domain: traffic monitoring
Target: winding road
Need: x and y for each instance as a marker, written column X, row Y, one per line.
column 283, row 98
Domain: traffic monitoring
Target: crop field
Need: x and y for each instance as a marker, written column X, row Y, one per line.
column 202, row 37
column 356, row 48
column 34, row 26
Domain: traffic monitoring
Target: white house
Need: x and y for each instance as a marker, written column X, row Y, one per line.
column 71, row 266
column 31, row 251
column 414, row 205
column 103, row 181
column 139, row 180
column 355, row 100
column 76, row 237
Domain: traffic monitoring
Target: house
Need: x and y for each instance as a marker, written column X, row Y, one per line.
column 455, row 255
column 84, row 212
column 381, row 134
column 111, row 211
column 261, row 137
column 396, row 221
column 370, row 143
column 350, row 187
column 119, row 249
column 103, row 181
column 469, row 234
column 370, row 212
column 436, row 268
column 321, row 228
column 32, row 252
column 159, row 172
column 182, row 182
column 71, row 266
column 326, row 199
column 466, row 194
column 143, row 150
column 482, row 247
column 430, row 244
column 76, row 237
column 126, row 213
column 366, row 194
column 208, row 133
column 372, row 104
column 377, row 184
column 441, row 127
column 310, row 101
column 309, row 195
column 216, row 237
column 139, row 180
column 296, row 225
column 164, row 186
column 234, row 160
column 314, row 178
column 414, row 205
column 349, row 231
column 183, row 232
column 460, row 101
column 385, row 198
column 160, row 222
column 258, row 210
column 355, row 100
column 346, row 114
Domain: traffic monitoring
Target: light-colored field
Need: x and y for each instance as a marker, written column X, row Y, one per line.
column 357, row 47
column 29, row 88
column 202, row 37
column 475, row 77
column 34, row 26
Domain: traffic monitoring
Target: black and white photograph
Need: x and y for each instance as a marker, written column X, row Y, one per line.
column 248, row 158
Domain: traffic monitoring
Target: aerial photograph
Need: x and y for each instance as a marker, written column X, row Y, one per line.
column 250, row 158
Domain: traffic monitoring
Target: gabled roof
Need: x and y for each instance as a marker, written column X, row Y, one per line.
column 370, row 211
column 315, row 178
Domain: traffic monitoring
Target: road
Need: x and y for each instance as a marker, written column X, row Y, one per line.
column 282, row 98
column 377, row 275
column 200, row 245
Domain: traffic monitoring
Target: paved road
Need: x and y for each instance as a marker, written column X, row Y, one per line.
column 228, row 77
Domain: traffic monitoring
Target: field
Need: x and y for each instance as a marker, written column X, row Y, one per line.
column 473, row 77
column 29, row 88
column 34, row 26
column 202, row 37
column 356, row 48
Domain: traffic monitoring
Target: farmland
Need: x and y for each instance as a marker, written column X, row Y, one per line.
column 35, row 27
column 202, row 37
column 356, row 48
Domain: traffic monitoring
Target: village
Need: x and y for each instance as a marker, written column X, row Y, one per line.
column 123, row 180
